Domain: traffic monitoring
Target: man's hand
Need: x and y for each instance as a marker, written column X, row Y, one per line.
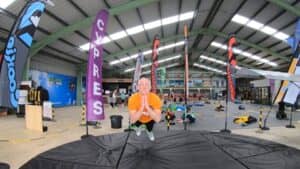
column 154, row 114
column 145, row 105
column 145, row 113
column 142, row 104
column 146, row 102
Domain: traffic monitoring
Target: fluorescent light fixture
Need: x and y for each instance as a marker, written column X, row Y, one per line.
column 140, row 28
column 134, row 56
column 146, row 72
column 129, row 70
column 103, row 41
column 152, row 25
column 118, row 35
column 240, row 19
column 186, row 16
column 218, row 45
column 171, row 65
column 86, row 46
column 251, row 23
column 168, row 66
column 216, row 61
column 238, row 51
column 213, row 60
column 5, row 3
column 170, row 58
column 254, row 24
column 264, row 60
column 125, row 59
column 268, row 30
column 146, row 65
column 172, row 45
column 281, row 36
column 168, row 46
column 247, row 54
column 255, row 57
column 209, row 68
column 180, row 43
column 170, row 20
column 244, row 53
column 114, row 62
column 273, row 64
column 147, row 52
column 159, row 61
column 135, row 30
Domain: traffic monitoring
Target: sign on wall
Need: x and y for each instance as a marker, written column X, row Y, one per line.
column 61, row 88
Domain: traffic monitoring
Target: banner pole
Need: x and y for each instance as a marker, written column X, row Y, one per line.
column 230, row 87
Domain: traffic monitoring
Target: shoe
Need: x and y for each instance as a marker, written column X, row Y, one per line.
column 138, row 131
column 135, row 128
column 150, row 135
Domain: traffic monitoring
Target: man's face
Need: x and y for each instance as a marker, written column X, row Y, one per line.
column 144, row 86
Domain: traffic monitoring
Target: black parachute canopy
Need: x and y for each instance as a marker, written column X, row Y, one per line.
column 173, row 149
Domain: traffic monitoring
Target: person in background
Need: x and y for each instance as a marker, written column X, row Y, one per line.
column 129, row 92
column 110, row 99
column 172, row 96
column 123, row 98
column 114, row 98
column 144, row 108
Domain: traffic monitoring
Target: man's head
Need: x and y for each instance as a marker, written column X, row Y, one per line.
column 144, row 85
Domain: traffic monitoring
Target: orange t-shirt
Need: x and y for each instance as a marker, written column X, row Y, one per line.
column 134, row 103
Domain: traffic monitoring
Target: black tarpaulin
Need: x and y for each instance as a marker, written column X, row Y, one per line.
column 173, row 149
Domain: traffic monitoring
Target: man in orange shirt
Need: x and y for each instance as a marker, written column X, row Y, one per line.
column 144, row 108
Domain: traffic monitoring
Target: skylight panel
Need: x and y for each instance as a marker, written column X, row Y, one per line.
column 125, row 59
column 168, row 66
column 159, row 61
column 254, row 24
column 168, row 46
column 152, row 25
column 5, row 3
column 209, row 68
column 281, row 36
column 103, row 41
column 213, row 60
column 114, row 62
column 85, row 46
column 186, row 16
column 251, row 23
column 118, row 35
column 244, row 53
column 170, row 20
column 240, row 19
column 268, row 30
column 141, row 28
column 129, row 70
column 147, row 52
column 135, row 30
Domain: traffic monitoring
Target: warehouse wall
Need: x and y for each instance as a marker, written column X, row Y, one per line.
column 48, row 64
column 59, row 79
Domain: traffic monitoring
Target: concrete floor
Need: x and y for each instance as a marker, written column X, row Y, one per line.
column 18, row 145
